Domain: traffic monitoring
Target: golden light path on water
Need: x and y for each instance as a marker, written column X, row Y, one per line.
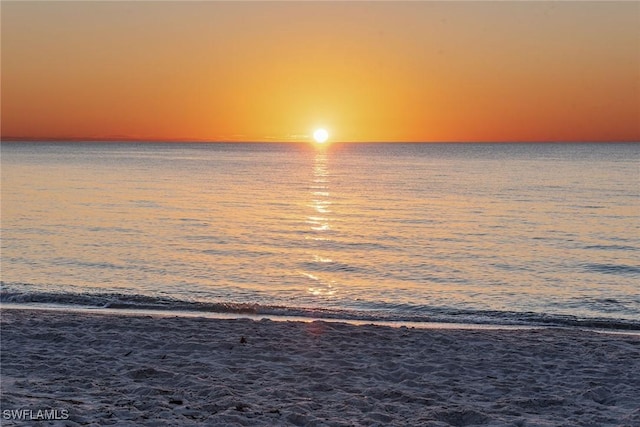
column 319, row 220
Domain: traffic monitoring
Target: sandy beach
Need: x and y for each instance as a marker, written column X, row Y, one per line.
column 96, row 369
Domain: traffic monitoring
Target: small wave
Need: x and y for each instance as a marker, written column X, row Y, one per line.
column 330, row 267
column 588, row 206
column 610, row 305
column 122, row 301
column 374, row 313
column 613, row 269
column 88, row 264
column 612, row 247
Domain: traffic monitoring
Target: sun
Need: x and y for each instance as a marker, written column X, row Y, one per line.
column 320, row 135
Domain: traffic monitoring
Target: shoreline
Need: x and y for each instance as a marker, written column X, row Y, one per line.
column 305, row 319
column 110, row 369
column 273, row 317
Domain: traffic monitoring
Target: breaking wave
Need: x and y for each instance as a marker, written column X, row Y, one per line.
column 391, row 313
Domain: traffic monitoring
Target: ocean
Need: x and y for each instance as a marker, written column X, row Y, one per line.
column 480, row 234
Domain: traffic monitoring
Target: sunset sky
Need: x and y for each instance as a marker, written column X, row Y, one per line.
column 366, row 71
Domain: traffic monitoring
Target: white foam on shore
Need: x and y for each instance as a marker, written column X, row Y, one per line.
column 280, row 318
column 258, row 317
column 161, row 370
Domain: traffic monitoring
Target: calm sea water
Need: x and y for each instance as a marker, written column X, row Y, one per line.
column 479, row 233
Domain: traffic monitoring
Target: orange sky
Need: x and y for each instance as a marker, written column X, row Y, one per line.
column 367, row 71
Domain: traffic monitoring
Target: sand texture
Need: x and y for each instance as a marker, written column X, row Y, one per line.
column 180, row 371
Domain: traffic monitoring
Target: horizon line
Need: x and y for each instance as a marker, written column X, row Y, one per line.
column 212, row 141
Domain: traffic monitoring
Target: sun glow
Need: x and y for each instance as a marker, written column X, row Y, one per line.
column 320, row 135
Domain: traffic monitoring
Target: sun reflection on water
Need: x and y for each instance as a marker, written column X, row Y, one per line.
column 320, row 223
column 320, row 194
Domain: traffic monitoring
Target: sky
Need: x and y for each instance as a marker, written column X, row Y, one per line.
column 366, row 71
